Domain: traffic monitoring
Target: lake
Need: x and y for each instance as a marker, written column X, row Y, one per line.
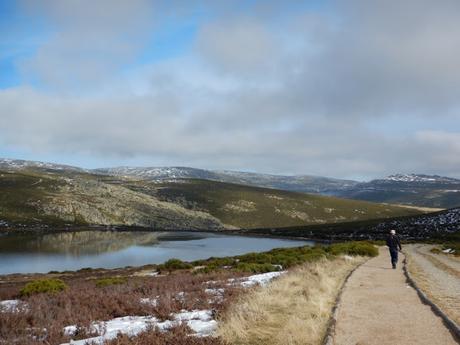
column 111, row 249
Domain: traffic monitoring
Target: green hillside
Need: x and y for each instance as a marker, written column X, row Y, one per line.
column 55, row 197
column 253, row 207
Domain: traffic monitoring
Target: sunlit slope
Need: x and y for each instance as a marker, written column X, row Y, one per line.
column 253, row 207
column 54, row 197
column 36, row 197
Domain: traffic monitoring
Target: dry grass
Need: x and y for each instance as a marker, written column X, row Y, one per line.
column 294, row 309
column 46, row 315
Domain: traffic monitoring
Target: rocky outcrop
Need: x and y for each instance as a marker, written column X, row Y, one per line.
column 94, row 202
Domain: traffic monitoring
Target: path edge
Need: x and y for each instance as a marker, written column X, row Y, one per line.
column 448, row 322
column 330, row 331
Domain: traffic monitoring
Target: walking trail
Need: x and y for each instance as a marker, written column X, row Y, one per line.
column 379, row 307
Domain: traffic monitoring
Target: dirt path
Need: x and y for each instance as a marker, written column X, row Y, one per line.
column 378, row 307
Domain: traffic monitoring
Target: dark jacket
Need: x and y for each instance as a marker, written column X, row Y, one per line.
column 393, row 242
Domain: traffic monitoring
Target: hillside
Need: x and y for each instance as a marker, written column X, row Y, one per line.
column 48, row 197
column 33, row 197
column 254, row 207
column 441, row 225
column 409, row 189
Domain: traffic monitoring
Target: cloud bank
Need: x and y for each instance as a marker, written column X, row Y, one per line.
column 354, row 89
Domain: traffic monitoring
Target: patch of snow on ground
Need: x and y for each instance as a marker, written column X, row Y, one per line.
column 200, row 321
column 259, row 279
column 150, row 301
column 219, row 291
column 12, row 306
column 448, row 251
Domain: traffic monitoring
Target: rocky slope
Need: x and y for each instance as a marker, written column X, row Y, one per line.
column 49, row 197
column 31, row 197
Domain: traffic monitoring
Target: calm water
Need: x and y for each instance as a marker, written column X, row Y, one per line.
column 110, row 249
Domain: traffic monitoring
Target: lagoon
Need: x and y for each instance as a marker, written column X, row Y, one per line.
column 74, row 250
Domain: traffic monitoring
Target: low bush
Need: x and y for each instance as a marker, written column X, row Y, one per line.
column 353, row 248
column 174, row 264
column 43, row 286
column 110, row 281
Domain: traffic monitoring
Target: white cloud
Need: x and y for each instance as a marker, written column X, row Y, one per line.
column 264, row 90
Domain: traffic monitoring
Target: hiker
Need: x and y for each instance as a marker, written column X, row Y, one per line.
column 393, row 243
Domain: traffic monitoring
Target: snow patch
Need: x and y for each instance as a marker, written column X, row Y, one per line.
column 257, row 279
column 12, row 306
column 201, row 322
column 150, row 301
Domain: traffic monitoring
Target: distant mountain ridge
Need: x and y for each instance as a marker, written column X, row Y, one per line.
column 42, row 196
column 300, row 183
column 420, row 178
column 14, row 164
column 410, row 189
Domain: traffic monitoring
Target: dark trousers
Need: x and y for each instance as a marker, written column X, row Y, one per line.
column 394, row 256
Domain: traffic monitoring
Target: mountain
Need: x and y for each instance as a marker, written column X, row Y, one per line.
column 302, row 183
column 407, row 189
column 410, row 189
column 48, row 196
column 18, row 164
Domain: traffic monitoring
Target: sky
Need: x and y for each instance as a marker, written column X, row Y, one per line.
column 349, row 89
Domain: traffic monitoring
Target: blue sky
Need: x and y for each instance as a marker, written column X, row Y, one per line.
column 349, row 89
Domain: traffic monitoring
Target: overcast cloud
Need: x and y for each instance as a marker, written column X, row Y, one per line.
column 354, row 89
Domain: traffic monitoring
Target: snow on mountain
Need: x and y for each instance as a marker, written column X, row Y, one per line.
column 419, row 178
column 17, row 164
column 156, row 173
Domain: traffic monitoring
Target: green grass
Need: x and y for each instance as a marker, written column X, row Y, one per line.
column 43, row 286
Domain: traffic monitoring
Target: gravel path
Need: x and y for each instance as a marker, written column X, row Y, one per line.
column 438, row 275
column 379, row 307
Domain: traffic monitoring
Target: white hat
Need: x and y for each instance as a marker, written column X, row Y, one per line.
column 393, row 232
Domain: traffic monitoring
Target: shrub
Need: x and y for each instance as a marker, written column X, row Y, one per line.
column 353, row 248
column 43, row 286
column 110, row 281
column 174, row 264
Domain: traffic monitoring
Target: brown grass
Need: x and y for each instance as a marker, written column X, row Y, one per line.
column 83, row 302
column 294, row 309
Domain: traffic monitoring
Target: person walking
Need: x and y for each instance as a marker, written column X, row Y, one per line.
column 393, row 243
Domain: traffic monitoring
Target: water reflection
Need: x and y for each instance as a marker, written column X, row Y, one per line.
column 110, row 249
